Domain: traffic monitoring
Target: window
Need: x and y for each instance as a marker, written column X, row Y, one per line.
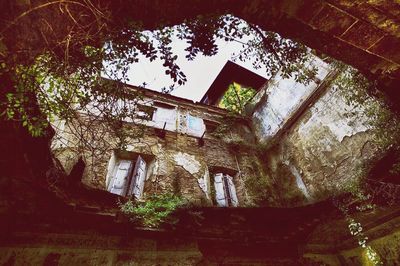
column 145, row 112
column 165, row 116
column 211, row 126
column 127, row 176
column 195, row 126
column 225, row 192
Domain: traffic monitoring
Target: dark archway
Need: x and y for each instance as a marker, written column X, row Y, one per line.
column 365, row 35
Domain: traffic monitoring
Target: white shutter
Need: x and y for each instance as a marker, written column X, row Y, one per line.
column 164, row 115
column 120, row 179
column 232, row 191
column 195, row 126
column 219, row 190
column 139, row 176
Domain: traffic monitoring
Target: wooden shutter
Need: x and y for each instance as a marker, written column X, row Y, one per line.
column 138, row 178
column 232, row 191
column 120, row 179
column 164, row 115
column 219, row 190
column 195, row 126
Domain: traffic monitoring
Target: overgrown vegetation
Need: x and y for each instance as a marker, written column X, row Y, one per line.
column 370, row 256
column 363, row 193
column 366, row 100
column 368, row 105
column 156, row 210
column 257, row 184
column 224, row 128
column 236, row 97
column 65, row 73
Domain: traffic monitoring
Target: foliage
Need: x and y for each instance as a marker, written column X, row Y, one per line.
column 363, row 194
column 62, row 76
column 74, row 106
column 383, row 192
column 269, row 50
column 65, row 73
column 230, row 119
column 156, row 210
column 356, row 230
column 363, row 96
column 236, row 97
column 367, row 105
column 257, row 185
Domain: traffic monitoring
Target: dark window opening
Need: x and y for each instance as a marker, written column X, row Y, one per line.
column 145, row 112
column 211, row 126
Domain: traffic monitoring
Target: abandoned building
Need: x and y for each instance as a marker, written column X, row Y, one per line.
column 292, row 147
column 293, row 140
column 274, row 183
column 180, row 147
column 183, row 145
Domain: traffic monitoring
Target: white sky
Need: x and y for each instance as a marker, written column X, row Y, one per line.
column 200, row 72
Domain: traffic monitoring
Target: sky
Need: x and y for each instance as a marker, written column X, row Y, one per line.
column 200, row 72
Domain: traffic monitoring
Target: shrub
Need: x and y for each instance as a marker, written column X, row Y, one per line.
column 156, row 210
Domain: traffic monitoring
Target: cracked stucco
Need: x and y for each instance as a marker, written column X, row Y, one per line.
column 284, row 96
column 188, row 162
column 330, row 111
column 204, row 183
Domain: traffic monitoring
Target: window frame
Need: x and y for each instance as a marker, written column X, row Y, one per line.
column 161, row 120
column 132, row 177
column 145, row 112
column 211, row 125
column 226, row 173
column 198, row 121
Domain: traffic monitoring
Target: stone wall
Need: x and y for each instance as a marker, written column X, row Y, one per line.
column 302, row 148
column 305, row 144
column 383, row 240
column 318, row 147
column 327, row 148
column 180, row 162
column 106, row 250
column 72, row 249
column 276, row 103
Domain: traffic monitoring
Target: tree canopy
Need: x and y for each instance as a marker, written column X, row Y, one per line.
column 55, row 55
column 236, row 97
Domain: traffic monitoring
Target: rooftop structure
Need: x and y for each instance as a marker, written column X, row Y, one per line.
column 230, row 73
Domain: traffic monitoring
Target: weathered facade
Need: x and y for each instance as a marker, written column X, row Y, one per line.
column 177, row 148
column 293, row 148
column 313, row 136
column 183, row 149
column 317, row 148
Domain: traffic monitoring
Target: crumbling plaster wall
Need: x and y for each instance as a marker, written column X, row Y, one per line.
column 320, row 153
column 327, row 147
column 177, row 163
column 280, row 98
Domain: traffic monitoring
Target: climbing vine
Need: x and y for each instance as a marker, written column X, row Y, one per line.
column 356, row 230
column 64, row 73
column 366, row 100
